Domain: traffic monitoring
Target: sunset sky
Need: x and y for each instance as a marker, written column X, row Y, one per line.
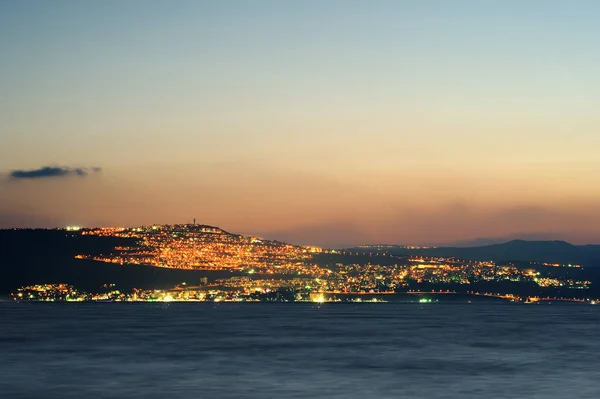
column 317, row 122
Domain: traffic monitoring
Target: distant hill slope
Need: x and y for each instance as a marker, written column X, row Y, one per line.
column 517, row 250
column 30, row 257
column 38, row 256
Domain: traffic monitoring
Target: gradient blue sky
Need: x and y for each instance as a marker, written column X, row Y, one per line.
column 321, row 122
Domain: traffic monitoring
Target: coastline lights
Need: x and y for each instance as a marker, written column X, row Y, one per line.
column 317, row 297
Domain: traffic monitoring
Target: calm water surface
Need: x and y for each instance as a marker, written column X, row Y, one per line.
column 197, row 350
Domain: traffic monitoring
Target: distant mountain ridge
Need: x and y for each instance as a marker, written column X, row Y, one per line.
column 560, row 252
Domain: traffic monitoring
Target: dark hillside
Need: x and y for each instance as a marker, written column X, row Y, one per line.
column 47, row 256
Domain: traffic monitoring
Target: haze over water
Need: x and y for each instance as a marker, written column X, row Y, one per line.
column 393, row 350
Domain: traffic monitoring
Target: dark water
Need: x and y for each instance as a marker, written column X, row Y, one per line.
column 198, row 350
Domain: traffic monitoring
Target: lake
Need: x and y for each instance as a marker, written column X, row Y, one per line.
column 226, row 350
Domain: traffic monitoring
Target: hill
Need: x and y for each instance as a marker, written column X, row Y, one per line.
column 40, row 256
column 516, row 250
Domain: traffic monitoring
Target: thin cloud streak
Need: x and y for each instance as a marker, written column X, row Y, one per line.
column 46, row 172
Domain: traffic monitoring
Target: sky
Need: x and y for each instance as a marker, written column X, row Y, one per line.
column 331, row 123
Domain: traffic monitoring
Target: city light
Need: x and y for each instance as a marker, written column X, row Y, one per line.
column 276, row 271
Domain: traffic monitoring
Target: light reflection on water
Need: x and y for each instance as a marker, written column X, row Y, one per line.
column 391, row 350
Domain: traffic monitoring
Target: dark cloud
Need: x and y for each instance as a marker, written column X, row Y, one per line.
column 51, row 171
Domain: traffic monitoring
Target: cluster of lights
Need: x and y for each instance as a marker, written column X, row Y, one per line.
column 276, row 266
column 201, row 247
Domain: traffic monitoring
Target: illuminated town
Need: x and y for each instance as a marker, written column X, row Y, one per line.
column 202, row 248
column 275, row 271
